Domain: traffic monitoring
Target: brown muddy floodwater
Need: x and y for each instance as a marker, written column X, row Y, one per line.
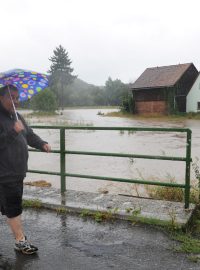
column 150, row 143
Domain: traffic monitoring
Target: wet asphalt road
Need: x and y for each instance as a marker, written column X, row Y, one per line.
column 70, row 242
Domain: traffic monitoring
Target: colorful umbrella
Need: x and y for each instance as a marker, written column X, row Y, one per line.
column 27, row 82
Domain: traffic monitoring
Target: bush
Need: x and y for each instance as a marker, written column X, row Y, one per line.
column 127, row 104
column 45, row 101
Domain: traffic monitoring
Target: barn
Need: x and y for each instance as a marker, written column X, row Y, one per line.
column 163, row 90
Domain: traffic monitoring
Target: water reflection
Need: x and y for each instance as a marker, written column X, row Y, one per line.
column 24, row 262
column 5, row 264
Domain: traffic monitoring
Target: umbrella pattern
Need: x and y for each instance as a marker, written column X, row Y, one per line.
column 27, row 82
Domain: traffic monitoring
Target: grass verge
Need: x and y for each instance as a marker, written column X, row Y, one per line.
column 172, row 193
column 35, row 203
column 174, row 117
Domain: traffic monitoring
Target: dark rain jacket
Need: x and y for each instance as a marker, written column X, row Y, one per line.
column 14, row 146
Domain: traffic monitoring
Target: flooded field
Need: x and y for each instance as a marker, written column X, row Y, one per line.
column 149, row 143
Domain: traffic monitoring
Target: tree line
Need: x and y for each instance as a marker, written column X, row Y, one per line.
column 66, row 89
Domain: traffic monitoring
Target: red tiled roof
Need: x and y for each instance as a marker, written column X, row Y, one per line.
column 158, row 77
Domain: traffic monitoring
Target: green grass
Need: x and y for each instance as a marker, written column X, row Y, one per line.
column 35, row 203
column 174, row 117
column 170, row 225
column 194, row 259
column 91, row 107
column 188, row 244
column 166, row 193
column 175, row 194
column 98, row 216
column 62, row 210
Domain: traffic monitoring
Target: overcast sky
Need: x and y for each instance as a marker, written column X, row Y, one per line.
column 116, row 38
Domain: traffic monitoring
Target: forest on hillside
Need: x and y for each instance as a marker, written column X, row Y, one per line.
column 66, row 89
column 80, row 93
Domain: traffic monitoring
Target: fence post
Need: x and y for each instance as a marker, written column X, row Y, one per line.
column 62, row 160
column 187, row 169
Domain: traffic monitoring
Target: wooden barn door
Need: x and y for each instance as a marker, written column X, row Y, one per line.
column 181, row 103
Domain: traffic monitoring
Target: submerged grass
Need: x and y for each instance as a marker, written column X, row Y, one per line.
column 39, row 183
column 41, row 114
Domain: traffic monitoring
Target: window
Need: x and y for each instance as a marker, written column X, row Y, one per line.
column 198, row 106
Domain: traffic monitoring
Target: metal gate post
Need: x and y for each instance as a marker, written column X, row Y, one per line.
column 187, row 169
column 62, row 160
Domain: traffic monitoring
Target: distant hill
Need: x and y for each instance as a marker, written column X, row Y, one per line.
column 80, row 85
column 80, row 93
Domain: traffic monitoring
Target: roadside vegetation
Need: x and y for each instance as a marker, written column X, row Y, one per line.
column 173, row 194
column 35, row 203
column 172, row 117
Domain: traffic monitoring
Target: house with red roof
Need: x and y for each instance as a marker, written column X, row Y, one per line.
column 163, row 90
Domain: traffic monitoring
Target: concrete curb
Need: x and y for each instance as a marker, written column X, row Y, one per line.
column 120, row 206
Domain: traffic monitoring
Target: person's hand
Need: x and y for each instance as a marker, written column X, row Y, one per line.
column 46, row 147
column 18, row 126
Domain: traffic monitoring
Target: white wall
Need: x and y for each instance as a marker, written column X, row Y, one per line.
column 193, row 96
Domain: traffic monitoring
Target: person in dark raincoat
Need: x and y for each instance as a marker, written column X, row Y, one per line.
column 15, row 136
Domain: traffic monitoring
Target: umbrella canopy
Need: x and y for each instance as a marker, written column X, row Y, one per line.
column 27, row 82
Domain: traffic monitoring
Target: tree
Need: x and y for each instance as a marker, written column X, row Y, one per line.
column 61, row 74
column 127, row 104
column 44, row 101
column 114, row 91
column 98, row 96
